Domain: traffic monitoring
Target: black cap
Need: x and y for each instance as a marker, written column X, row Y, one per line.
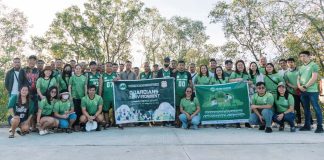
column 92, row 63
column 166, row 59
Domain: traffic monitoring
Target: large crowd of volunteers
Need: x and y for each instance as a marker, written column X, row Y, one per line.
column 71, row 97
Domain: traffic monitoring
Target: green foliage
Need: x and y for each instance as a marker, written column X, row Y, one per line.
column 3, row 102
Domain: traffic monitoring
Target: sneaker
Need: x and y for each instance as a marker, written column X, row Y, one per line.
column 238, row 125
column 42, row 132
column 120, row 127
column 107, row 125
column 274, row 125
column 268, row 130
column 261, row 128
column 305, row 128
column 293, row 129
column 281, row 127
column 319, row 130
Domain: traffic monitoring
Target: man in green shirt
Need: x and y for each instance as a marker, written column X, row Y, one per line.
column 155, row 70
column 262, row 103
column 147, row 74
column 182, row 81
column 307, row 83
column 290, row 78
column 263, row 64
column 166, row 70
column 228, row 68
column 91, row 106
column 93, row 76
column 106, row 89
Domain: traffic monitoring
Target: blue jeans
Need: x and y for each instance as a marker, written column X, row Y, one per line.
column 64, row 123
column 289, row 117
column 194, row 121
column 308, row 98
column 267, row 116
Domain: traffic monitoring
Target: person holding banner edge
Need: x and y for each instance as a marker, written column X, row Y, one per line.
column 262, row 103
column 106, row 90
column 189, row 108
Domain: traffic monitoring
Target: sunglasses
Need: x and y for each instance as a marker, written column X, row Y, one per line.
column 260, row 88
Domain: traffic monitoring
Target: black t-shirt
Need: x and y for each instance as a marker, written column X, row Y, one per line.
column 21, row 111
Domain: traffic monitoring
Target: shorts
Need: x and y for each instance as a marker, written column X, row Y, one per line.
column 64, row 123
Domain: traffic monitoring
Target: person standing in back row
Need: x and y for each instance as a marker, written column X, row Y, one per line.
column 307, row 83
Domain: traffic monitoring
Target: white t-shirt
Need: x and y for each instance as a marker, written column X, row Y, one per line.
column 15, row 83
column 282, row 72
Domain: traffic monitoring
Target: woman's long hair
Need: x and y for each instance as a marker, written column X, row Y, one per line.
column 236, row 70
column 223, row 74
column 257, row 70
column 48, row 94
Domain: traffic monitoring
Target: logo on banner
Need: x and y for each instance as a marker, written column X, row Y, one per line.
column 164, row 84
column 122, row 86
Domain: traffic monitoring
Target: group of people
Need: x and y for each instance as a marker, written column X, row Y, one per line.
column 67, row 96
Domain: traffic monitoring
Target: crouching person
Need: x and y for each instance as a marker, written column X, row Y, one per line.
column 262, row 103
column 91, row 106
column 21, row 111
column 284, row 108
column 64, row 112
column 45, row 119
column 189, row 108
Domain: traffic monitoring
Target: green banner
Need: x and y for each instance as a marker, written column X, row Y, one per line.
column 224, row 103
column 144, row 100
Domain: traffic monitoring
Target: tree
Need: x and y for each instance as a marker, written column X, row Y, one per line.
column 151, row 34
column 13, row 27
column 240, row 25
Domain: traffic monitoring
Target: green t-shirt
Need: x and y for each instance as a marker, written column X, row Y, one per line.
column 271, row 85
column 291, row 77
column 189, row 106
column 266, row 99
column 182, row 82
column 61, row 107
column 203, row 80
column 47, row 109
column 219, row 81
column 108, row 86
column 93, row 79
column 56, row 73
column 143, row 75
column 44, row 84
column 283, row 104
column 22, row 111
column 305, row 74
column 63, row 84
column 166, row 73
column 78, row 86
column 91, row 105
column 262, row 70
column 235, row 75
column 228, row 73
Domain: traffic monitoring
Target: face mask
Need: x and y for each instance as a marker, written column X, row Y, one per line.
column 65, row 97
column 166, row 65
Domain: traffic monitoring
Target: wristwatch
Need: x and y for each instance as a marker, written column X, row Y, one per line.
column 304, row 87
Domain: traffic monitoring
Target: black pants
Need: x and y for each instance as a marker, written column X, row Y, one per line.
column 77, row 109
column 297, row 109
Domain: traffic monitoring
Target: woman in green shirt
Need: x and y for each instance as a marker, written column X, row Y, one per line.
column 21, row 111
column 272, row 78
column 219, row 76
column 189, row 108
column 63, row 79
column 45, row 119
column 77, row 90
column 64, row 111
column 284, row 108
column 241, row 75
column 203, row 77
column 45, row 81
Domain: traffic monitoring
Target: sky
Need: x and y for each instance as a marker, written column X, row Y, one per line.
column 40, row 14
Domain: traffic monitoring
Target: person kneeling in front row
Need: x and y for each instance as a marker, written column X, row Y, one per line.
column 189, row 108
column 262, row 103
column 91, row 106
